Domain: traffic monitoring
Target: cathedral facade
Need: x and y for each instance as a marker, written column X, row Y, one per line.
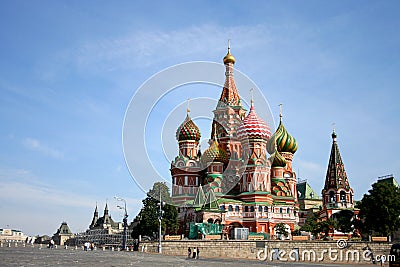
column 244, row 178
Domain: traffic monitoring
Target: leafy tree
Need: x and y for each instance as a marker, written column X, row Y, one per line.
column 311, row 224
column 344, row 219
column 280, row 229
column 297, row 232
column 326, row 226
column 380, row 209
column 147, row 219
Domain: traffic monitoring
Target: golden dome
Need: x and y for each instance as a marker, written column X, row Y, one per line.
column 215, row 153
column 229, row 58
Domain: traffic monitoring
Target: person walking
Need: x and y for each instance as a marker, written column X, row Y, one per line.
column 189, row 252
column 198, row 253
column 194, row 253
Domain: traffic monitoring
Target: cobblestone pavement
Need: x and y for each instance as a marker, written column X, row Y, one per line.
column 29, row 256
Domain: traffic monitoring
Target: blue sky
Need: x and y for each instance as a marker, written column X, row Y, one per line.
column 69, row 69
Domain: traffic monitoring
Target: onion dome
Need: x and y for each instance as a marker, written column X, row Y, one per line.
column 279, row 161
column 229, row 58
column 334, row 135
column 253, row 127
column 215, row 153
column 283, row 140
column 188, row 130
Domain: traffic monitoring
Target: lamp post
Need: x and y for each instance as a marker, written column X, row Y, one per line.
column 125, row 220
column 160, row 214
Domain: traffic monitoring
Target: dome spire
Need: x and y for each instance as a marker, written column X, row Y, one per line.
column 280, row 112
column 188, row 106
column 229, row 58
column 334, row 135
column 251, row 100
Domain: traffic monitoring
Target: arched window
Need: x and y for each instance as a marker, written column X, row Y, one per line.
column 331, row 196
column 259, row 208
column 237, row 208
column 288, row 210
column 342, row 196
column 265, row 209
column 252, row 209
column 246, row 208
column 210, row 220
column 281, row 210
column 222, row 207
column 230, row 208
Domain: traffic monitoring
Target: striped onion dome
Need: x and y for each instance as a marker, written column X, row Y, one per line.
column 253, row 127
column 282, row 140
column 278, row 161
column 215, row 153
column 188, row 130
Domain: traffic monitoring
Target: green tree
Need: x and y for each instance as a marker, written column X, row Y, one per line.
column 147, row 219
column 326, row 226
column 380, row 209
column 311, row 224
column 281, row 230
column 344, row 219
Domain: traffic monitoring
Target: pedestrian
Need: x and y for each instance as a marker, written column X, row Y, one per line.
column 198, row 253
column 382, row 259
column 189, row 252
column 194, row 253
column 52, row 243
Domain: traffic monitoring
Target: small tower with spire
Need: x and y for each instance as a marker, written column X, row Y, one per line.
column 337, row 193
column 254, row 134
column 229, row 111
column 95, row 217
column 185, row 169
column 282, row 146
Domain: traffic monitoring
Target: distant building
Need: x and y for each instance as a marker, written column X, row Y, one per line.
column 103, row 231
column 62, row 235
column 44, row 239
column 105, row 222
column 11, row 235
column 309, row 201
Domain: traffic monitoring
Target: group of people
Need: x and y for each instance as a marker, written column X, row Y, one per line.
column 88, row 245
column 195, row 254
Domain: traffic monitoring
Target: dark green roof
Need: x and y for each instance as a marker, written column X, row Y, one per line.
column 388, row 179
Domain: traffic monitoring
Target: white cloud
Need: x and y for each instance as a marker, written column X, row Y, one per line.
column 36, row 145
column 151, row 47
column 38, row 208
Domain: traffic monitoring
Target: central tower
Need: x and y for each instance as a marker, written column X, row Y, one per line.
column 229, row 112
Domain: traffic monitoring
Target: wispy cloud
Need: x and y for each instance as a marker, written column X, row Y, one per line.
column 151, row 47
column 36, row 145
column 20, row 191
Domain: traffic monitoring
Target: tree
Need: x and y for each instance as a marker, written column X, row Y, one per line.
column 147, row 219
column 380, row 209
column 311, row 224
column 344, row 219
column 326, row 226
column 281, row 230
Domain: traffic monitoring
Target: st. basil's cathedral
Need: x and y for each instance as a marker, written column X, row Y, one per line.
column 244, row 179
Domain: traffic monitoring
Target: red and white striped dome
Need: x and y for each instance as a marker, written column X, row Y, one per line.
column 253, row 127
